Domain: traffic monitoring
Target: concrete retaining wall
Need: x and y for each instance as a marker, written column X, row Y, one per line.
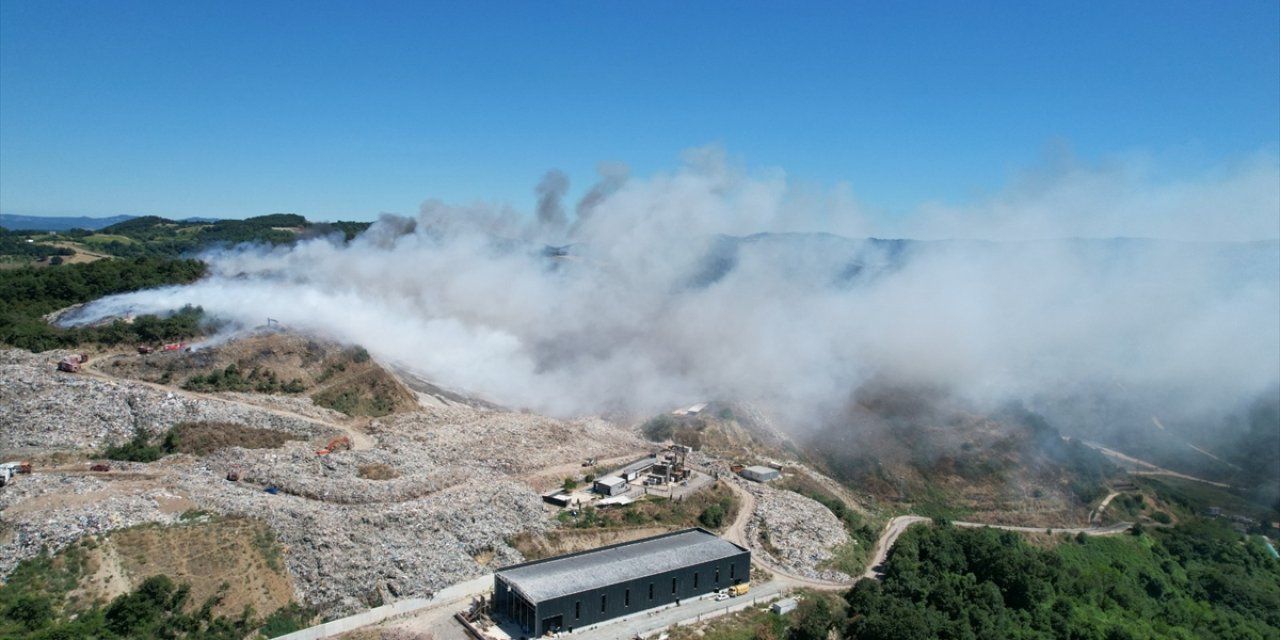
column 457, row 595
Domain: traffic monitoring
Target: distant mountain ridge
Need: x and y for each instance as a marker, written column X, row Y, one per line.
column 15, row 222
column 58, row 223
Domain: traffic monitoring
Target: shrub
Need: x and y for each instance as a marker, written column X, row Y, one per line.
column 712, row 517
column 659, row 428
column 138, row 449
column 287, row 619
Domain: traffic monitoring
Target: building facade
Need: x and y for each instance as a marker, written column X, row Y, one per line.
column 610, row 486
column 761, row 474
column 580, row 589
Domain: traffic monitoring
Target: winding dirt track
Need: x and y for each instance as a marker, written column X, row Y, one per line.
column 1095, row 516
column 1143, row 468
column 895, row 528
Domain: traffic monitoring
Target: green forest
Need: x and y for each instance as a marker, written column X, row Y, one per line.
column 1200, row 579
column 28, row 293
column 148, row 252
column 153, row 235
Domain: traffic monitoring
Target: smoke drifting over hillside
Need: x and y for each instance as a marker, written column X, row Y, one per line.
column 670, row 292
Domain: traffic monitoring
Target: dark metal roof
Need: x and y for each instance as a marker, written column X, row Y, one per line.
column 555, row 577
column 638, row 465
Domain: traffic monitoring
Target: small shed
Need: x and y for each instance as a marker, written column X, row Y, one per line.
column 557, row 498
column 610, row 486
column 761, row 474
column 784, row 606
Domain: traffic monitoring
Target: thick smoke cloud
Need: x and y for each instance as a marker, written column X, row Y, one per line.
column 612, row 176
column 669, row 296
column 551, row 190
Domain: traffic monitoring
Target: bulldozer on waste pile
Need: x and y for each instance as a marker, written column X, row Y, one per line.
column 338, row 443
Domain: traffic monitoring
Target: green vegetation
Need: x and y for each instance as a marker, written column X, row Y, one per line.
column 264, row 540
column 15, row 244
column 684, row 431
column 287, row 619
column 192, row 514
column 1196, row 580
column 138, row 449
column 850, row 557
column 355, row 402
column 1191, row 498
column 27, row 294
column 152, row 235
column 149, row 251
column 716, row 505
column 199, row 438
column 713, row 517
column 230, row 379
column 36, row 603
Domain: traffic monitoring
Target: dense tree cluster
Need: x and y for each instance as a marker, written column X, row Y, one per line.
column 27, row 294
column 16, row 244
column 1198, row 580
column 35, row 605
column 153, row 235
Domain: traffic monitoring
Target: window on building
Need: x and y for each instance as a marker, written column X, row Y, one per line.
column 695, row 579
column 717, row 575
column 626, row 598
column 673, row 586
column 650, row 590
column 732, row 570
column 577, row 610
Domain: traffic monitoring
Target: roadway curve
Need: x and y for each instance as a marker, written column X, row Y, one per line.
column 888, row 537
column 737, row 532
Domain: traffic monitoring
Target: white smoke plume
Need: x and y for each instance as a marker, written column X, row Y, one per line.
column 672, row 293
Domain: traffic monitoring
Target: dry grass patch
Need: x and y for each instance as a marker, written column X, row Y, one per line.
column 203, row 438
column 377, row 471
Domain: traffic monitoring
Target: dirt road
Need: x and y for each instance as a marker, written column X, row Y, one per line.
column 1095, row 516
column 1143, row 468
column 359, row 439
column 887, row 538
column 737, row 533
column 555, row 475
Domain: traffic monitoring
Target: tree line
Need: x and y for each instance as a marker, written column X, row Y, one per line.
column 28, row 294
column 1200, row 579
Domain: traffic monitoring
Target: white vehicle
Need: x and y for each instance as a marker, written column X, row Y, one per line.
column 10, row 469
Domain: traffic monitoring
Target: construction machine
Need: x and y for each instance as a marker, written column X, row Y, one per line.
column 340, row 442
column 10, row 469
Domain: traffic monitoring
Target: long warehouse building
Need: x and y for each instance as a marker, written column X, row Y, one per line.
column 575, row 590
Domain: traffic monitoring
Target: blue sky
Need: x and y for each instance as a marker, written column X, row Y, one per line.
column 348, row 109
